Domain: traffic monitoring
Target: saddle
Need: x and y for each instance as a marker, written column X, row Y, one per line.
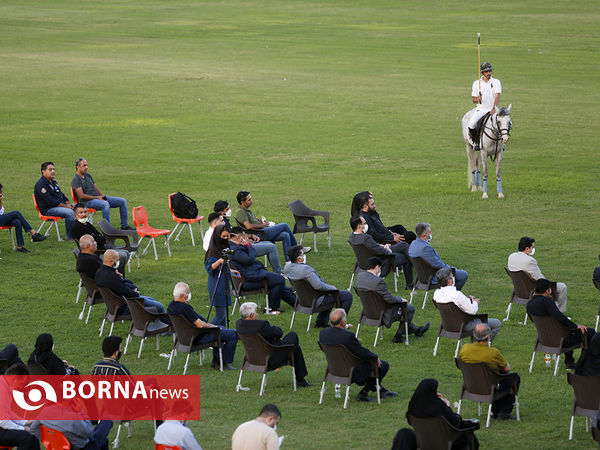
column 475, row 133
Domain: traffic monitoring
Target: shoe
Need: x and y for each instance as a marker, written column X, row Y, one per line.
column 364, row 397
column 22, row 250
column 306, row 250
column 384, row 393
column 303, row 383
column 421, row 330
column 409, row 287
column 215, row 364
column 570, row 365
column 398, row 339
column 37, row 237
column 228, row 367
column 127, row 228
column 272, row 312
column 504, row 416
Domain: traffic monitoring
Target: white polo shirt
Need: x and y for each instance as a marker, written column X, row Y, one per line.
column 488, row 91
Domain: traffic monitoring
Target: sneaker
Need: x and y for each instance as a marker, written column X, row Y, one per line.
column 37, row 237
column 421, row 330
column 272, row 312
column 364, row 397
column 398, row 339
column 306, row 249
column 384, row 393
column 22, row 250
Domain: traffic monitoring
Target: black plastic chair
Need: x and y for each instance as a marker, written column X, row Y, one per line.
column 142, row 324
column 435, row 433
column 306, row 300
column 363, row 254
column 113, row 303
column 305, row 222
column 424, row 279
column 129, row 237
column 453, row 319
column 93, row 295
column 523, row 290
column 373, row 308
column 587, row 398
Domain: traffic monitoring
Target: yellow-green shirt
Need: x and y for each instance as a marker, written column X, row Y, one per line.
column 480, row 352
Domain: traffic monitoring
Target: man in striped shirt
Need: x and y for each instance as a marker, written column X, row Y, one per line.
column 110, row 365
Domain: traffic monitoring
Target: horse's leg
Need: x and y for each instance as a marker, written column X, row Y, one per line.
column 499, row 174
column 484, row 170
column 472, row 174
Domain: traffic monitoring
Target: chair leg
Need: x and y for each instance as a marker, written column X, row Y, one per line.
column 141, row 345
column 201, row 357
column 357, row 330
column 436, row 346
column 571, row 428
column 154, row 247
column 309, row 320
column 517, row 408
column 525, row 319
column 351, row 281
column 292, row 321
column 376, row 336
column 170, row 360
column 57, row 232
column 294, row 378
column 201, row 230
column 158, row 342
column 83, row 311
column 487, row 423
column 168, row 245
column 425, row 299
column 112, row 325
column 145, row 248
column 234, row 305
column 411, row 295
column 597, row 318
column 115, row 443
column 180, row 231
column 127, row 344
column 347, row 395
column 406, row 332
column 80, row 286
column 508, row 312
column 457, row 347
column 329, row 239
column 138, row 257
column 478, row 408
column 587, row 429
column 459, row 405
column 315, row 241
column 102, row 326
column 262, row 384
column 14, row 247
column 186, row 363
column 191, row 235
column 395, row 279
column 378, row 389
column 531, row 363
column 556, row 365
column 221, row 359
column 322, row 393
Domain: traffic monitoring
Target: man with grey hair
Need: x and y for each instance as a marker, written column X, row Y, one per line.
column 180, row 307
column 250, row 324
column 420, row 248
column 480, row 351
column 448, row 293
column 338, row 335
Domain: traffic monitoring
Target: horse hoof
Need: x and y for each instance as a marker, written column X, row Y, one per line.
column 473, row 188
column 500, row 195
column 484, row 195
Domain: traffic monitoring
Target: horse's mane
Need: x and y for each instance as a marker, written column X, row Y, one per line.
column 503, row 112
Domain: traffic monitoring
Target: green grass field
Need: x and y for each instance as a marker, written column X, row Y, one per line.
column 315, row 100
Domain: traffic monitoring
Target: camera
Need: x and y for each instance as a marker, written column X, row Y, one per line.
column 226, row 252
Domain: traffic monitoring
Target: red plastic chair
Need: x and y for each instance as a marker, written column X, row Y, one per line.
column 167, row 447
column 6, row 448
column 53, row 219
column 140, row 220
column 91, row 211
column 181, row 221
column 12, row 238
column 53, row 439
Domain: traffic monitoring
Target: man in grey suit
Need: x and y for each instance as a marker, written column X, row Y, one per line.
column 524, row 260
column 297, row 269
column 359, row 236
column 371, row 281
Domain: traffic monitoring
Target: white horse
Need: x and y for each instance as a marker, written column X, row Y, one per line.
column 494, row 136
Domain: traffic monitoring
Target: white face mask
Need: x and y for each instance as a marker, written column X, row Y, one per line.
column 83, row 220
column 304, row 259
column 116, row 266
column 429, row 238
column 189, row 297
column 453, row 281
column 365, row 228
column 532, row 252
column 378, row 273
column 228, row 213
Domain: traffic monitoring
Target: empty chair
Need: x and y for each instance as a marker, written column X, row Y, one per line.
column 114, row 235
column 550, row 337
column 453, row 319
column 438, row 433
column 480, row 384
column 12, row 235
column 523, row 290
column 257, row 352
column 186, row 333
column 181, row 222
column 54, row 439
column 140, row 220
column 424, row 280
column 587, row 398
column 373, row 308
column 305, row 222
column 362, row 254
column 52, row 219
column 91, row 211
column 306, row 300
column 93, row 295
column 145, row 324
column 114, row 308
column 340, row 367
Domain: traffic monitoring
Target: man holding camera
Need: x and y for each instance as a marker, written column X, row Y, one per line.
column 88, row 193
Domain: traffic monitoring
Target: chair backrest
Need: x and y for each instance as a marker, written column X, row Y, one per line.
column 139, row 316
column 425, row 273
column 550, row 331
column 36, row 205
column 140, row 216
column 74, row 196
column 453, row 318
column 340, row 361
column 185, row 331
column 53, row 439
column 586, row 390
column 597, row 284
column 3, row 365
column 90, row 286
column 363, row 254
column 373, row 305
column 36, row 369
column 478, row 378
column 171, row 206
column 305, row 293
column 166, row 447
column 112, row 301
column 523, row 284
column 436, row 433
column 298, row 208
column 257, row 349
column 238, row 282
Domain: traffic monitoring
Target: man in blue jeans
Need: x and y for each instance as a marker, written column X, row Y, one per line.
column 88, row 193
column 180, row 306
column 272, row 232
column 50, row 199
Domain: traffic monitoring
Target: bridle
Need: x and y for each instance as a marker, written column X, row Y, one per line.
column 493, row 126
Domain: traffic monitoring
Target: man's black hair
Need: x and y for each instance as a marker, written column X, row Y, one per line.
column 541, row 285
column 294, row 252
column 220, row 205
column 241, row 196
column 212, row 216
column 110, row 345
column 525, row 242
column 373, row 262
column 46, row 164
column 355, row 221
column 270, row 410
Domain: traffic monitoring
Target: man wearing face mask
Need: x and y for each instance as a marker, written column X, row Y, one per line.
column 259, row 434
column 108, row 277
column 524, row 260
column 360, row 236
column 110, row 365
column 180, row 306
column 447, row 293
column 299, row 270
column 420, row 248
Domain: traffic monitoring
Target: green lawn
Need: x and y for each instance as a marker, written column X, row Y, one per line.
column 315, row 100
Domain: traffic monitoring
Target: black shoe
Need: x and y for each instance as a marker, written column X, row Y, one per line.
column 37, row 237
column 384, row 393
column 364, row 397
column 504, row 416
column 22, row 250
column 570, row 365
column 303, row 383
column 128, row 228
column 398, row 339
column 409, row 287
column 421, row 330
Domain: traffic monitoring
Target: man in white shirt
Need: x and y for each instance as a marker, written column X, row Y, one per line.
column 486, row 95
column 259, row 434
column 175, row 432
column 523, row 260
column 214, row 219
column 448, row 293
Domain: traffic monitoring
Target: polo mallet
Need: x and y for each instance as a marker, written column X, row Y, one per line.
column 479, row 62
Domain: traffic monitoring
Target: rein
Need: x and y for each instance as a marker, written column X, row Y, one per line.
column 497, row 134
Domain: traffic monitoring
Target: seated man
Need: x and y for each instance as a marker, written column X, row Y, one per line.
column 479, row 351
column 337, row 334
column 87, row 192
column 359, row 236
column 420, row 248
column 214, row 219
column 299, row 270
column 541, row 304
column 110, row 365
column 244, row 260
column 174, row 432
column 524, row 260
column 83, row 226
column 447, row 293
column 259, row 434
column 249, row 324
column 50, row 199
column 382, row 234
column 81, row 434
column 180, row 306
column 108, row 277
column 272, row 232
column 372, row 281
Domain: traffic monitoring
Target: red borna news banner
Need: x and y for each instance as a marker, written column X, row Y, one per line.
column 118, row 397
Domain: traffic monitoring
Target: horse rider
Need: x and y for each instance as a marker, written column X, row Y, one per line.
column 486, row 95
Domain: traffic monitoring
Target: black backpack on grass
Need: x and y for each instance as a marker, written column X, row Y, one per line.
column 183, row 206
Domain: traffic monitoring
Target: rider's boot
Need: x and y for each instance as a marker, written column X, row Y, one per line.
column 472, row 140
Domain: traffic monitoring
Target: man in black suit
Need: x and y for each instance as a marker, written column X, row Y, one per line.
column 338, row 335
column 360, row 236
column 249, row 324
column 541, row 304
